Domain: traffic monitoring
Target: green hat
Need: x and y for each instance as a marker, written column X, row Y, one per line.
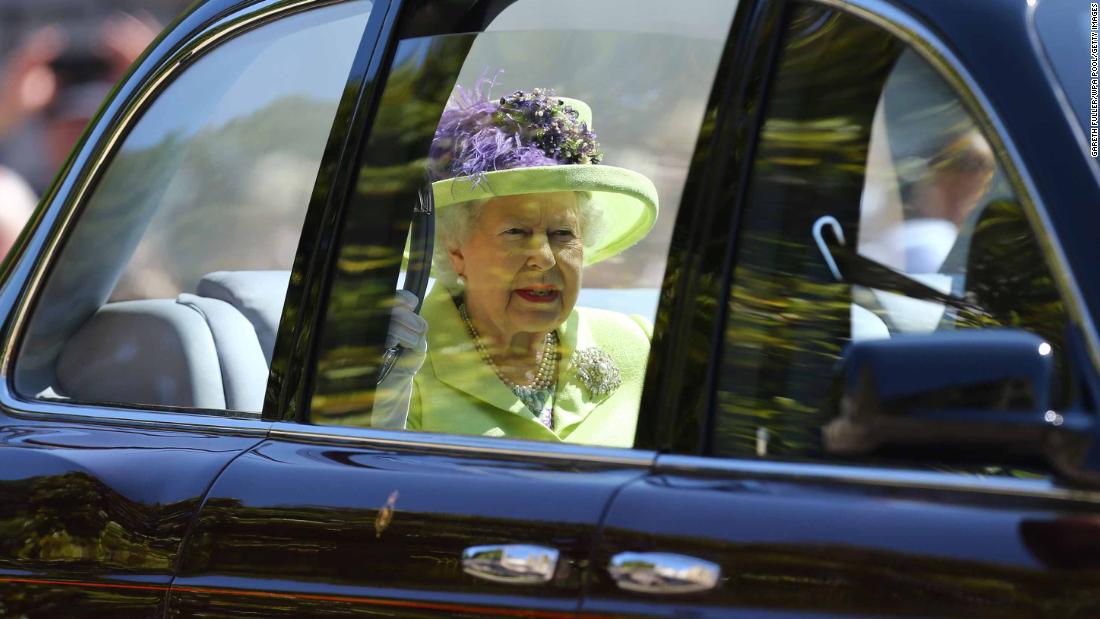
column 536, row 142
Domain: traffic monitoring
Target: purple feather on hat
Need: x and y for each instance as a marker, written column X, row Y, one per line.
column 477, row 134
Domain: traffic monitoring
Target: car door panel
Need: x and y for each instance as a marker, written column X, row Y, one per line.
column 100, row 495
column 94, row 516
column 308, row 528
column 338, row 518
column 943, row 529
column 828, row 548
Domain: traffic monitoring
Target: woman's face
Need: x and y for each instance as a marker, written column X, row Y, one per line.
column 522, row 262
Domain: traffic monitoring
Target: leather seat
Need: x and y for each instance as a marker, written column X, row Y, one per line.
column 210, row 350
column 258, row 295
column 188, row 352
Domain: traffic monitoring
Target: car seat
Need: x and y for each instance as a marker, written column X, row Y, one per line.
column 210, row 350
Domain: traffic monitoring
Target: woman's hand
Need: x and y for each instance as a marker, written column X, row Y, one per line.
column 407, row 328
column 409, row 331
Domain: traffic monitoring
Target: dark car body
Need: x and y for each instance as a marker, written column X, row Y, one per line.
column 120, row 511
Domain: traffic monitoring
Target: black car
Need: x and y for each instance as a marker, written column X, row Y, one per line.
column 874, row 377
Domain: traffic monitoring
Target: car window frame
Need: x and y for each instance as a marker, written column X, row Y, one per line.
column 189, row 37
column 930, row 47
column 692, row 218
column 717, row 199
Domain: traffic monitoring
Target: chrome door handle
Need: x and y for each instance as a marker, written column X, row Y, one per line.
column 511, row 563
column 662, row 572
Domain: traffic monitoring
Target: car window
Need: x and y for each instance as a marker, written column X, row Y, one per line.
column 877, row 210
column 555, row 146
column 170, row 288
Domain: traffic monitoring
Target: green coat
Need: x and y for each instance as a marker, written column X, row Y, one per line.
column 456, row 392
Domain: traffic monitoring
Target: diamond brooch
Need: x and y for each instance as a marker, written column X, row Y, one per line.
column 597, row 371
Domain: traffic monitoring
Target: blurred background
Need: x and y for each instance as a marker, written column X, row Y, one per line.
column 58, row 60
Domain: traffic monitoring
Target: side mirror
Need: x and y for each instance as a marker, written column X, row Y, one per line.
column 985, row 393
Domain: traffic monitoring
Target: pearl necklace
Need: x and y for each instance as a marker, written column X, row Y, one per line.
column 546, row 375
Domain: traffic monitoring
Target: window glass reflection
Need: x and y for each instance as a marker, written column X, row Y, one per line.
column 556, row 156
column 869, row 160
column 170, row 289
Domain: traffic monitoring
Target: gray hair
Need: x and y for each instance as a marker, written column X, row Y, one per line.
column 455, row 223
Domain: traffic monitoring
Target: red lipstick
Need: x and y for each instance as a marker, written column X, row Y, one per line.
column 538, row 294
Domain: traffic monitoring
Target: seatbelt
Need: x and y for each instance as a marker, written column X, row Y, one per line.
column 421, row 248
column 421, row 245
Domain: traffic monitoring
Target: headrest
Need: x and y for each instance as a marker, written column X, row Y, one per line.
column 259, row 295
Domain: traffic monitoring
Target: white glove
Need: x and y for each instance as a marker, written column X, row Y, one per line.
column 410, row 331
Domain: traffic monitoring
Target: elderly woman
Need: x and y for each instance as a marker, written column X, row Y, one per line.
column 522, row 206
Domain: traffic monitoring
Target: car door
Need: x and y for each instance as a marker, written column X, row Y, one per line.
column 330, row 516
column 126, row 391
column 770, row 502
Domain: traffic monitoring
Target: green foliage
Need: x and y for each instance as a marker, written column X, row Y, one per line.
column 72, row 519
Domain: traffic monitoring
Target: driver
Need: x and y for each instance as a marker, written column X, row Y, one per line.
column 523, row 204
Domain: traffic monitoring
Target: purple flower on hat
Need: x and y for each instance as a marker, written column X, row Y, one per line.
column 477, row 134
